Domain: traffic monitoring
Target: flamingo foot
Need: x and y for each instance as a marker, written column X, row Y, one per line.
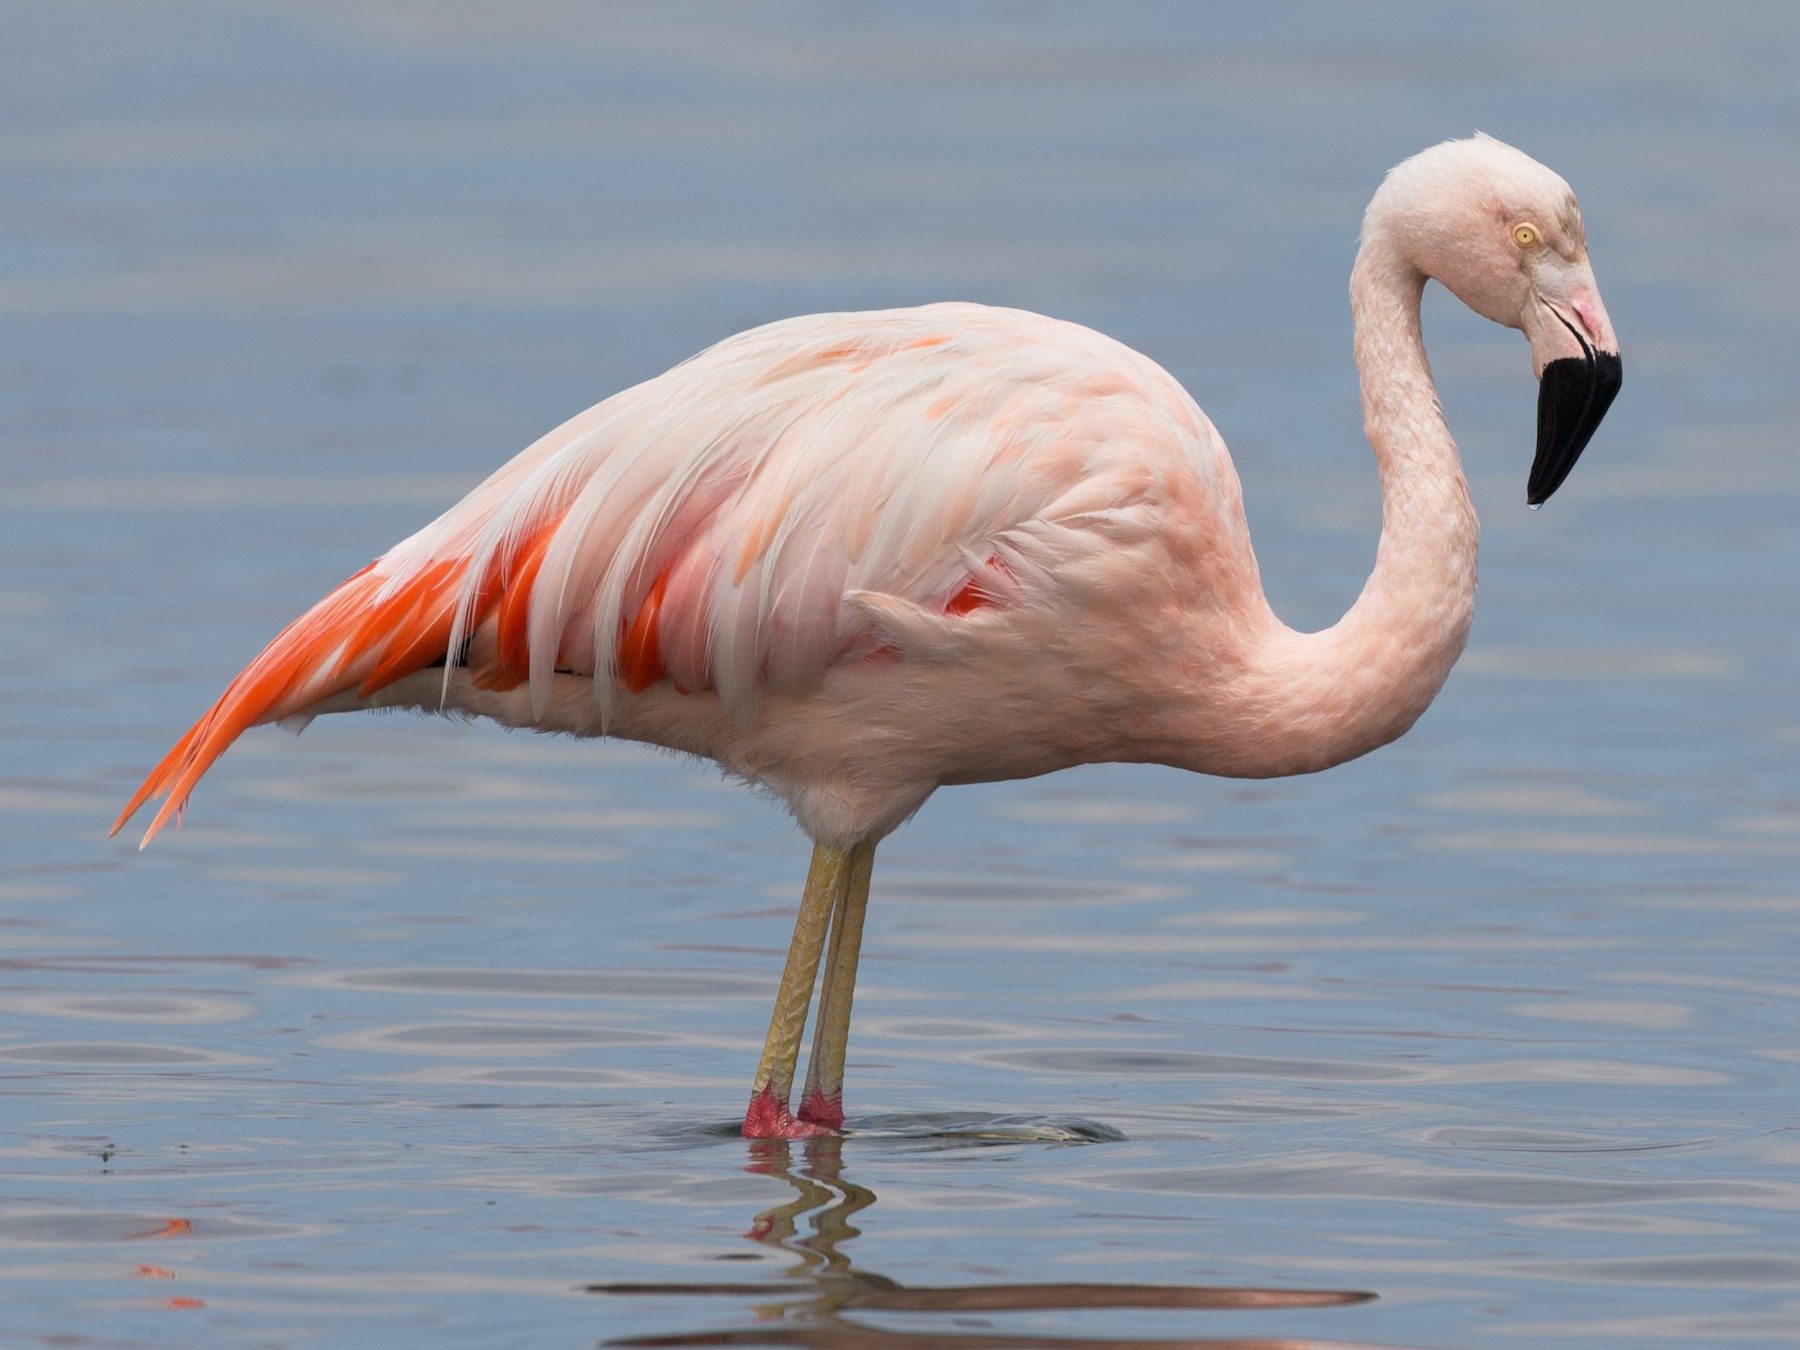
column 824, row 1109
column 769, row 1118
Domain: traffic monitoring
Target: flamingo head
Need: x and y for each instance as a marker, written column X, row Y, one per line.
column 1504, row 235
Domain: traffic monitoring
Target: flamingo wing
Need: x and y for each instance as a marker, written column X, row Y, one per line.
column 801, row 495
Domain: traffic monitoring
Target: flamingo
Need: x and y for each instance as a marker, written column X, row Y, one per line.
column 854, row 557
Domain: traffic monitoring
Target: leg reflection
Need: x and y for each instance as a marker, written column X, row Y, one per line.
column 821, row 1191
column 812, row 1303
column 829, row 1201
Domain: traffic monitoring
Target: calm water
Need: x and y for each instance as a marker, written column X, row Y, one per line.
column 427, row 1034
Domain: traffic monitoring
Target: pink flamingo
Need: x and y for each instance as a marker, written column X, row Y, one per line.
column 853, row 557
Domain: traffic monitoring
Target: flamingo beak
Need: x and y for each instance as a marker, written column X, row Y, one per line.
column 1574, row 393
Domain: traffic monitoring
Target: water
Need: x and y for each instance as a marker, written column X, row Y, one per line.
column 427, row 1033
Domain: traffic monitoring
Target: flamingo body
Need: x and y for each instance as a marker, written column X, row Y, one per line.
column 848, row 556
column 855, row 557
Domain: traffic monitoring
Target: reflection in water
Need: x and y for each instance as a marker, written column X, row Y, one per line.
column 811, row 1306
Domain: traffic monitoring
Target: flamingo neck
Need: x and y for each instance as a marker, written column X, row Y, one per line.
column 1312, row 700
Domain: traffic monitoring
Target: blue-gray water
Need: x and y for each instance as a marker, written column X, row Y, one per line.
column 428, row 1034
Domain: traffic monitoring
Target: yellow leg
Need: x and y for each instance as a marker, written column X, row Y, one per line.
column 768, row 1116
column 823, row 1101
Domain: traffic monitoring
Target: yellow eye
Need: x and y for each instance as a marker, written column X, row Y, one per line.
column 1527, row 235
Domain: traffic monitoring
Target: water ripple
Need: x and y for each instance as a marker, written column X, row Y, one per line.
column 641, row 983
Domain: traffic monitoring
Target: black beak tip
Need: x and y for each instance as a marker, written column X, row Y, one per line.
column 1573, row 397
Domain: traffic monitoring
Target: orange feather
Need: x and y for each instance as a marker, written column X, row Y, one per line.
column 640, row 648
column 512, row 663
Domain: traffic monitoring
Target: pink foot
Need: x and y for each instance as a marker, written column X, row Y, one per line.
column 769, row 1118
column 820, row 1109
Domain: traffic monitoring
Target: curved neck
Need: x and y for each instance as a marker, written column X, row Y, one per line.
column 1311, row 700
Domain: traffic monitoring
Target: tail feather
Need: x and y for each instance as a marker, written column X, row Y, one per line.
column 355, row 638
column 376, row 628
column 160, row 775
column 415, row 631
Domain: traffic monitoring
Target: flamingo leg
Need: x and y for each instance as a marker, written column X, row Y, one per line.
column 823, row 1101
column 768, row 1116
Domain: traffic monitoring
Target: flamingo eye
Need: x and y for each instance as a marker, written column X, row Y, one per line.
column 1527, row 235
